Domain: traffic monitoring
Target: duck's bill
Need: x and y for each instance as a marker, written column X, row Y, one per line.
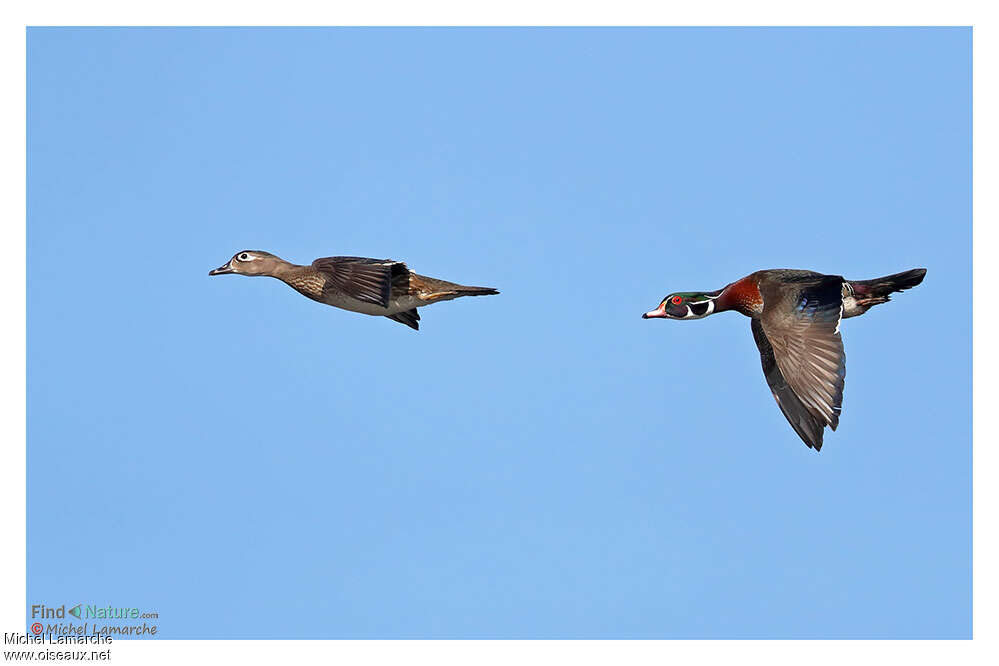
column 658, row 313
column 221, row 270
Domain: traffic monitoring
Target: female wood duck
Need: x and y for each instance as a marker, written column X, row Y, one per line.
column 380, row 287
column 795, row 320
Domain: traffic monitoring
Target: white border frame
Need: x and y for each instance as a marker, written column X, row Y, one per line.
column 20, row 13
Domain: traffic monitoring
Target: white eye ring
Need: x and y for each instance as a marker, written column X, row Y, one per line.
column 243, row 256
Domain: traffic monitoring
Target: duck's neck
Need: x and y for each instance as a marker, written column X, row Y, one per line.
column 302, row 279
column 286, row 271
column 742, row 296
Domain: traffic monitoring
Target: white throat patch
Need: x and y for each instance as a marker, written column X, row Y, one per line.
column 711, row 308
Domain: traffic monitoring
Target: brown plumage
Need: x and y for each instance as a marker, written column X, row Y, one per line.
column 800, row 324
column 380, row 287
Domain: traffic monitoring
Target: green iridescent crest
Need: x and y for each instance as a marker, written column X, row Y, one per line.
column 690, row 296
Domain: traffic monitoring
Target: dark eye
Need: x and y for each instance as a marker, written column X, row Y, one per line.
column 676, row 300
column 244, row 257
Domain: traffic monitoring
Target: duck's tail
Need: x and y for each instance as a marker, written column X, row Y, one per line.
column 890, row 283
column 477, row 291
column 432, row 290
column 868, row 293
column 457, row 291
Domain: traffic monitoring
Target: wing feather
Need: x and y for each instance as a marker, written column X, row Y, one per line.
column 801, row 418
column 807, row 346
column 367, row 280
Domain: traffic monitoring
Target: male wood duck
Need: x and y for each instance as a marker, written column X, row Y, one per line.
column 370, row 286
column 795, row 320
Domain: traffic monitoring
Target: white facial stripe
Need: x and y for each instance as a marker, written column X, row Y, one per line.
column 711, row 308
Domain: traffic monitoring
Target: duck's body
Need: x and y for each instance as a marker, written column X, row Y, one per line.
column 795, row 321
column 378, row 287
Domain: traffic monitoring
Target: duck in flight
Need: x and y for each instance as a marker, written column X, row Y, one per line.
column 380, row 287
column 795, row 320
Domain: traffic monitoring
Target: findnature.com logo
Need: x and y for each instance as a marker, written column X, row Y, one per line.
column 94, row 620
column 91, row 612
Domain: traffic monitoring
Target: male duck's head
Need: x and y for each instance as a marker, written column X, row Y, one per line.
column 685, row 305
column 249, row 262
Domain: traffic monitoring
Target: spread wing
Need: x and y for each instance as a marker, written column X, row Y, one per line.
column 803, row 359
column 367, row 280
column 808, row 427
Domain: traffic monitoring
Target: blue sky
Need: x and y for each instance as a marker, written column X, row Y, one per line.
column 539, row 464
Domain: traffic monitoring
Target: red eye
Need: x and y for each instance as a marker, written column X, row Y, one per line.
column 676, row 300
